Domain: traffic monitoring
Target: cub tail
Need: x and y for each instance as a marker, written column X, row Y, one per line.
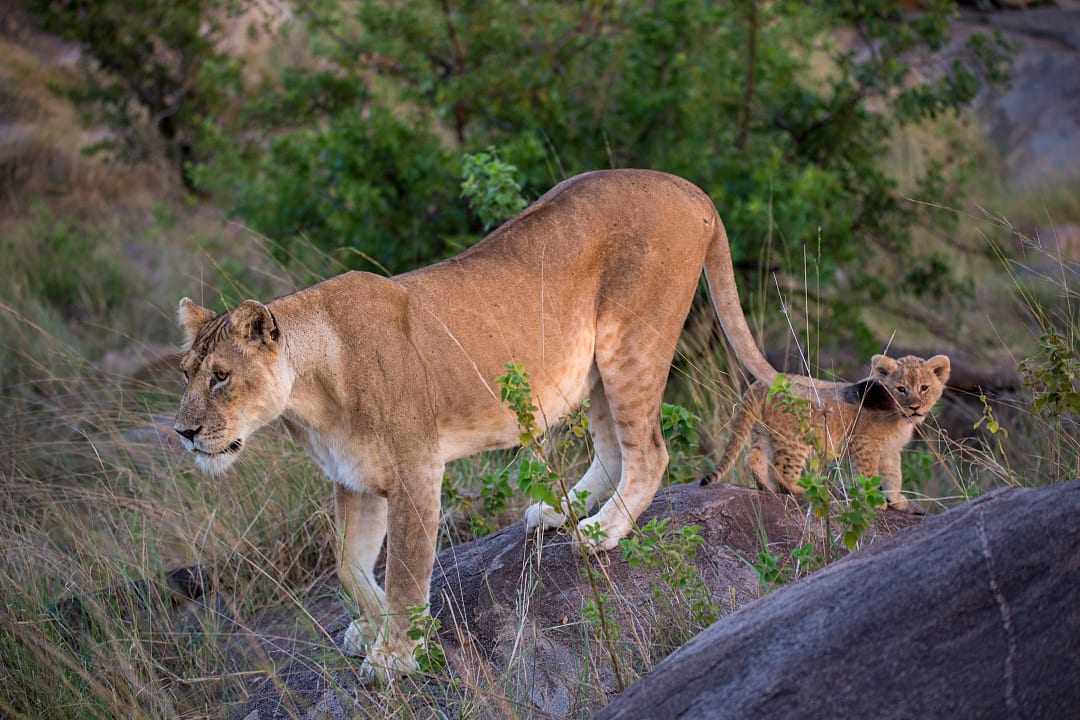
column 741, row 425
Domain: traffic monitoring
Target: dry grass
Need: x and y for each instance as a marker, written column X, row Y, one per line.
column 93, row 494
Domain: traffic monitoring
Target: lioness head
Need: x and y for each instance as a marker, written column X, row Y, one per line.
column 914, row 384
column 237, row 379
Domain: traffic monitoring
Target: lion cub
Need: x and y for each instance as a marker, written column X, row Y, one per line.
column 871, row 420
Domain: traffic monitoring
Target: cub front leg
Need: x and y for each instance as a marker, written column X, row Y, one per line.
column 891, row 482
column 361, row 527
column 865, row 457
column 410, row 551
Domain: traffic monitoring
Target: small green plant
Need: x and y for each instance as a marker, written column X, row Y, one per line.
column 495, row 494
column 655, row 547
column 864, row 498
column 773, row 570
column 597, row 611
column 806, row 558
column 999, row 433
column 535, row 477
column 542, row 483
column 988, row 420
column 496, row 491
column 425, row 629
column 817, row 493
column 679, row 427
column 594, row 532
column 577, row 422
column 917, row 467
column 769, row 570
column 516, row 391
column 1050, row 374
column 491, row 188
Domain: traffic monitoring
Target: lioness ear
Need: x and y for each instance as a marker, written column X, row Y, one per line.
column 253, row 322
column 191, row 318
column 940, row 366
column 882, row 365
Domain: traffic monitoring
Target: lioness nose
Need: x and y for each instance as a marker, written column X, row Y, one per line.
column 188, row 433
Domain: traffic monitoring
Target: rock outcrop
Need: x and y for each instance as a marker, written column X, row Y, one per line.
column 511, row 609
column 974, row 614
column 1035, row 122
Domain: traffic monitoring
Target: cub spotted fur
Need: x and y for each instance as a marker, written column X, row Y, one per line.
column 391, row 378
column 871, row 421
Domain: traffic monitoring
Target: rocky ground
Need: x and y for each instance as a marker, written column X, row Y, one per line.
column 510, row 606
column 973, row 614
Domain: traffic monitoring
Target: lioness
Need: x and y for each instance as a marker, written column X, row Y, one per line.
column 391, row 378
column 871, row 420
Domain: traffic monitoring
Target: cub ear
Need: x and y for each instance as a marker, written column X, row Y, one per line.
column 253, row 322
column 191, row 317
column 940, row 366
column 882, row 365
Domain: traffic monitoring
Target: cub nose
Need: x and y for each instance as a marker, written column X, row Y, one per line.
column 188, row 433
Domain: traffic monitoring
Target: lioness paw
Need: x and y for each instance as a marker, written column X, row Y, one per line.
column 386, row 662
column 602, row 535
column 357, row 638
column 544, row 516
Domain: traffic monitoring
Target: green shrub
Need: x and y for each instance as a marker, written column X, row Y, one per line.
column 67, row 267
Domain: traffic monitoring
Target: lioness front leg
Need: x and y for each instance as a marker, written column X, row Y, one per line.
column 410, row 551
column 361, row 527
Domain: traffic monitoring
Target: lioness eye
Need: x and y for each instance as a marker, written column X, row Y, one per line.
column 924, row 388
column 220, row 376
column 901, row 389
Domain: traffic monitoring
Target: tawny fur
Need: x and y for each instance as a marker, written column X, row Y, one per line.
column 841, row 422
column 391, row 378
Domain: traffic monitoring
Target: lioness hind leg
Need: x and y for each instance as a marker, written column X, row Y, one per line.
column 633, row 381
column 599, row 480
column 361, row 527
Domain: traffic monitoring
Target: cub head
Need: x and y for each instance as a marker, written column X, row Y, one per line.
column 914, row 385
column 237, row 379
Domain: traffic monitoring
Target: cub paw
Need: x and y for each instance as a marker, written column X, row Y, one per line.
column 905, row 505
column 358, row 637
column 544, row 516
column 386, row 662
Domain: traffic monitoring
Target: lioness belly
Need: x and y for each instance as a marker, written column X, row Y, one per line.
column 560, row 382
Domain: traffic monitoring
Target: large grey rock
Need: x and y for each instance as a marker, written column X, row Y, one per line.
column 511, row 605
column 975, row 614
column 1034, row 124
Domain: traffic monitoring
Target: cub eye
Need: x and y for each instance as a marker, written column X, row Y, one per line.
column 924, row 388
column 901, row 389
column 220, row 376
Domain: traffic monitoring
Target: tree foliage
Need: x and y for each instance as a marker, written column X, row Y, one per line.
column 148, row 62
column 780, row 110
